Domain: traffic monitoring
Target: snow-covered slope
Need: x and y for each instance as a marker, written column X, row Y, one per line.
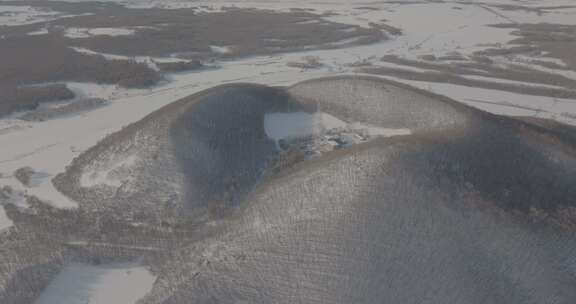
column 207, row 148
column 204, row 152
column 201, row 155
column 325, row 234
column 200, row 191
column 449, row 215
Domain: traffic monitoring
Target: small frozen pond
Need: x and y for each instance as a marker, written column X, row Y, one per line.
column 301, row 124
column 106, row 284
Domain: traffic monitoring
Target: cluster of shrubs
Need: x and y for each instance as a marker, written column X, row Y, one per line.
column 308, row 62
column 515, row 50
column 70, row 108
column 180, row 66
column 15, row 98
column 394, row 31
column 96, row 68
column 25, row 175
column 5, row 193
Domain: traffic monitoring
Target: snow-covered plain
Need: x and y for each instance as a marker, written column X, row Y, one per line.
column 429, row 28
column 107, row 284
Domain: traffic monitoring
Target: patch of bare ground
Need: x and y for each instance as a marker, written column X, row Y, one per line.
column 14, row 98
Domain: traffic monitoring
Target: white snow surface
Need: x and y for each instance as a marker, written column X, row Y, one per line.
column 20, row 15
column 107, row 176
column 5, row 222
column 102, row 31
column 15, row 15
column 150, row 61
column 103, row 91
column 220, row 49
column 301, row 124
column 108, row 284
column 42, row 31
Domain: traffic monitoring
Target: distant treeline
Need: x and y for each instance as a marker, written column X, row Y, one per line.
column 14, row 98
column 26, row 61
